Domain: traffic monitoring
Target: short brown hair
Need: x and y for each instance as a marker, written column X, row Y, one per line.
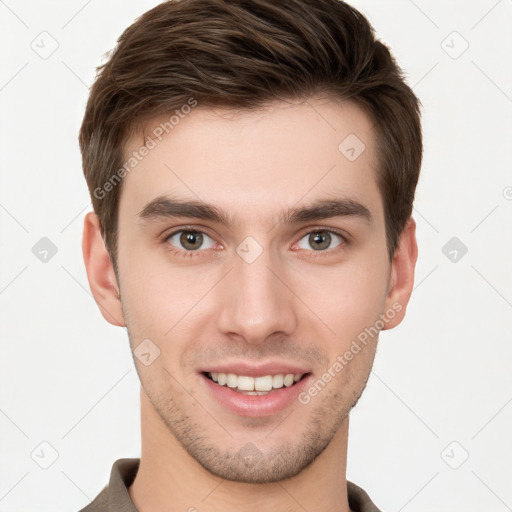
column 242, row 54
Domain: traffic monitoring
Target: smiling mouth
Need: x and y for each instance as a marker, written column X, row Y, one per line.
column 248, row 385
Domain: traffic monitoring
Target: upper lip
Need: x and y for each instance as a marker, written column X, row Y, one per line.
column 255, row 370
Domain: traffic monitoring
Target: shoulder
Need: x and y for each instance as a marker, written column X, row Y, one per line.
column 358, row 499
column 115, row 496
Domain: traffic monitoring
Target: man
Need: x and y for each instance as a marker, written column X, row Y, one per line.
column 252, row 167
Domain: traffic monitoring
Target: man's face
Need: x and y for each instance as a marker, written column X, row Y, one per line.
column 261, row 295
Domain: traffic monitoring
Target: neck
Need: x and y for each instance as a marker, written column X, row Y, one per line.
column 170, row 479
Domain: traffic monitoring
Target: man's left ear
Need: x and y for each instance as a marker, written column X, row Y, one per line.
column 401, row 280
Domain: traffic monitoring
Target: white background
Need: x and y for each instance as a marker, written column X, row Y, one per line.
column 67, row 377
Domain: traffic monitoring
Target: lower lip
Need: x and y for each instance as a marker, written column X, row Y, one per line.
column 255, row 406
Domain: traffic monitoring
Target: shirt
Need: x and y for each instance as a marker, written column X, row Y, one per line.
column 115, row 497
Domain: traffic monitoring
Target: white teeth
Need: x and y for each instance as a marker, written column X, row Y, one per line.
column 288, row 379
column 277, row 381
column 231, row 380
column 255, row 385
column 263, row 383
column 246, row 383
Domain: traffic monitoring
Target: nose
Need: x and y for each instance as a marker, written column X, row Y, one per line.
column 255, row 300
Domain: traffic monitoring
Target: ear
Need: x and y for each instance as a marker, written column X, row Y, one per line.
column 401, row 279
column 100, row 272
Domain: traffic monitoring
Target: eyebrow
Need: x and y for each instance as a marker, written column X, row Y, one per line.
column 164, row 207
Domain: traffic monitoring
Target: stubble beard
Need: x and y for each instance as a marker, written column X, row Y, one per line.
column 249, row 462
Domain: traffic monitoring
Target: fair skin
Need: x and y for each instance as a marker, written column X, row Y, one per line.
column 295, row 308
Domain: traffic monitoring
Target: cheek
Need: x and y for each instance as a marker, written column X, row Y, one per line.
column 149, row 292
column 157, row 300
column 348, row 299
column 164, row 302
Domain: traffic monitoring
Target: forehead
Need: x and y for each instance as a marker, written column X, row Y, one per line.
column 255, row 163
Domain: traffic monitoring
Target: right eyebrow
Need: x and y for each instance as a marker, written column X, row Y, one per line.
column 164, row 207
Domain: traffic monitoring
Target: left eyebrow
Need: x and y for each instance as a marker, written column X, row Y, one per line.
column 165, row 207
column 325, row 209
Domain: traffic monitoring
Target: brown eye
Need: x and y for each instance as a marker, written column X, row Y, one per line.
column 190, row 240
column 320, row 240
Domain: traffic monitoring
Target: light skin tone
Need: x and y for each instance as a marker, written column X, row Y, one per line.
column 317, row 284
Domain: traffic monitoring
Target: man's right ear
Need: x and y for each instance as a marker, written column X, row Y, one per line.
column 100, row 272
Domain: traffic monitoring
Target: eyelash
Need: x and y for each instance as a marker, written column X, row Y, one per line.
column 192, row 254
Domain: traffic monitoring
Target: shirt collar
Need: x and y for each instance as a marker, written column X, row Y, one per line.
column 115, row 497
